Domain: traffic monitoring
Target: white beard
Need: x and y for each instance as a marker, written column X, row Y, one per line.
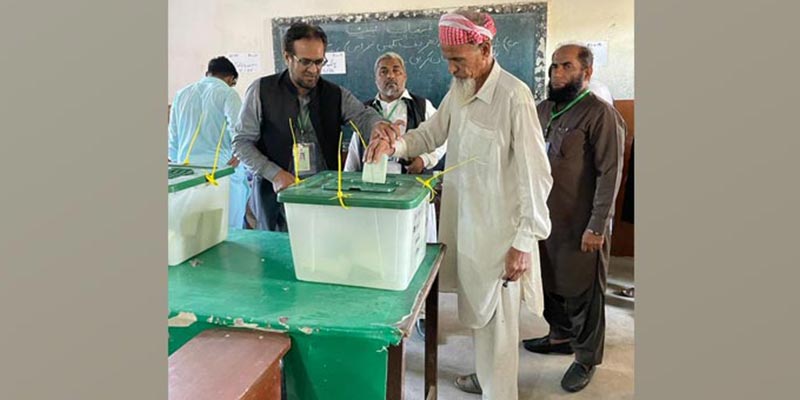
column 462, row 89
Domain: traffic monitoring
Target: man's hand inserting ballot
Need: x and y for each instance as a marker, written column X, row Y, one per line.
column 377, row 149
column 385, row 131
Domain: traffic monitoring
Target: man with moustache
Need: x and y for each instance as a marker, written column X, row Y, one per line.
column 494, row 207
column 265, row 137
column 585, row 137
column 407, row 110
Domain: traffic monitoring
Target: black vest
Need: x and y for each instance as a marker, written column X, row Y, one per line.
column 279, row 102
column 415, row 107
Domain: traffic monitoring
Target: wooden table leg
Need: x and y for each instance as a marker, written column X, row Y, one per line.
column 431, row 340
column 396, row 372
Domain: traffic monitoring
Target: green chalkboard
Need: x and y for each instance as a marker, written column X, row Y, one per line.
column 519, row 46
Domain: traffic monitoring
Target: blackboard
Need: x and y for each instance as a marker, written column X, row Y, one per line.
column 519, row 46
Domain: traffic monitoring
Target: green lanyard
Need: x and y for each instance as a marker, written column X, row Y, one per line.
column 391, row 113
column 555, row 115
column 304, row 123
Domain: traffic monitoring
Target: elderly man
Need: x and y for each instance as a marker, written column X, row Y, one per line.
column 585, row 137
column 295, row 110
column 202, row 112
column 494, row 207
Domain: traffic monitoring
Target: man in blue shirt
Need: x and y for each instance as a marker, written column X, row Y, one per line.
column 208, row 109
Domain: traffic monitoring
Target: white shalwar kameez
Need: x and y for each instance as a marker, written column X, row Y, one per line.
column 490, row 204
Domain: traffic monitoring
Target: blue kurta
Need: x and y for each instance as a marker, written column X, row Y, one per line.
column 209, row 102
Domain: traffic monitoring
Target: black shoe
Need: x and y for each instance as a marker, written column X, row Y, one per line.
column 577, row 377
column 542, row 346
column 420, row 325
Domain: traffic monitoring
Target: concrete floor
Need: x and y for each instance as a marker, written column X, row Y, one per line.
column 540, row 375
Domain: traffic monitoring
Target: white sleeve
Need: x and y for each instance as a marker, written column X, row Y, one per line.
column 432, row 158
column 353, row 161
column 428, row 136
column 533, row 174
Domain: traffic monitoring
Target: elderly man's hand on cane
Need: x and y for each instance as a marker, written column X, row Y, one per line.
column 517, row 262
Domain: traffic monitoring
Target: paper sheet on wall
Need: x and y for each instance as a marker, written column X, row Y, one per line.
column 600, row 51
column 246, row 62
column 336, row 63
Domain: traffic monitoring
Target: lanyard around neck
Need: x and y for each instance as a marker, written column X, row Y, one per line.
column 304, row 123
column 391, row 112
column 555, row 115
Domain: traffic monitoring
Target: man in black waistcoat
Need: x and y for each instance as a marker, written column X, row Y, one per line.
column 295, row 106
column 402, row 107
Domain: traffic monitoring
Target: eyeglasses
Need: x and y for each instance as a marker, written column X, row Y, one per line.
column 305, row 62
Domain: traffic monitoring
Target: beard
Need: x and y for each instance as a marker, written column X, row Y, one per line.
column 462, row 89
column 391, row 89
column 302, row 80
column 307, row 85
column 567, row 93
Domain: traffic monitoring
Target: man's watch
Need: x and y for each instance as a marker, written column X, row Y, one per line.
column 594, row 232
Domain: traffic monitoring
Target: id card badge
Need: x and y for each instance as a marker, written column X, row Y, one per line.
column 305, row 159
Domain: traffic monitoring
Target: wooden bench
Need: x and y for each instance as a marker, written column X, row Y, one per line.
column 228, row 364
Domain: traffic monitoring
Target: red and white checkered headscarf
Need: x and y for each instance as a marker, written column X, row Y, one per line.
column 455, row 29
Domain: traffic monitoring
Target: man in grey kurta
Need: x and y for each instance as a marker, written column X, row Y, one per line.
column 585, row 143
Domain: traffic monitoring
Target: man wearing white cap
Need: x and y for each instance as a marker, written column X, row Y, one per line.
column 494, row 208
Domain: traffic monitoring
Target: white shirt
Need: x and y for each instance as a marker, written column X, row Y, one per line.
column 353, row 162
column 495, row 202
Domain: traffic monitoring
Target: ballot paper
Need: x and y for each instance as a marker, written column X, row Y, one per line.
column 375, row 172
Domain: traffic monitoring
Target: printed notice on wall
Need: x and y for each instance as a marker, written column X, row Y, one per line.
column 600, row 51
column 246, row 62
column 336, row 63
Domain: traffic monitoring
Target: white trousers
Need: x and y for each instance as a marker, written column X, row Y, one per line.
column 497, row 348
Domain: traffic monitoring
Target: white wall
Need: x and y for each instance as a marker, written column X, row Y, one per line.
column 202, row 29
column 597, row 20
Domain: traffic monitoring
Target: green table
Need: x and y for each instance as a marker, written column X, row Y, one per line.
column 345, row 340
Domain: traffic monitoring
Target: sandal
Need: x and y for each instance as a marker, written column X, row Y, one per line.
column 469, row 383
